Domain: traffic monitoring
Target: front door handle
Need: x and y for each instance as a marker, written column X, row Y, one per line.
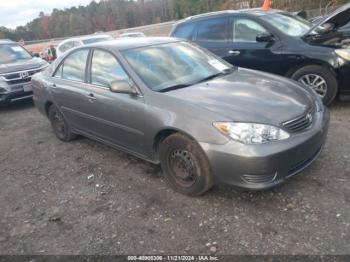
column 91, row 96
column 234, row 52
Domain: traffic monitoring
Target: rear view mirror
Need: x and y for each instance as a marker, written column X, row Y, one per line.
column 265, row 38
column 123, row 87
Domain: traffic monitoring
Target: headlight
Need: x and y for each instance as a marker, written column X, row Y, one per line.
column 343, row 53
column 250, row 133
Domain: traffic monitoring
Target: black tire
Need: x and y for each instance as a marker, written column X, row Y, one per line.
column 326, row 74
column 185, row 165
column 59, row 125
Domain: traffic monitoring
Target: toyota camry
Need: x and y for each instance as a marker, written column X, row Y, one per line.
column 175, row 104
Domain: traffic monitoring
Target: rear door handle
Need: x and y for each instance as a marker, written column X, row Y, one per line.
column 234, row 52
column 91, row 96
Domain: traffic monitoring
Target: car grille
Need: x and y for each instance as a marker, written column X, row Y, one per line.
column 300, row 123
column 19, row 77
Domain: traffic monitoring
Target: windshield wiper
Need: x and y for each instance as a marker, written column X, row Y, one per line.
column 170, row 88
column 179, row 86
column 229, row 70
column 210, row 77
column 222, row 73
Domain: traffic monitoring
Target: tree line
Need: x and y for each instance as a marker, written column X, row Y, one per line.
column 109, row 15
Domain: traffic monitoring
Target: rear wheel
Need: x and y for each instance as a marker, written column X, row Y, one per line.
column 59, row 125
column 319, row 79
column 185, row 165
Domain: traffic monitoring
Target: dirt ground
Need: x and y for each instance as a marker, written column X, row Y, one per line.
column 86, row 198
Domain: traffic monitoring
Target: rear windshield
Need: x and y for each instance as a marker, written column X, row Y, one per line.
column 96, row 40
column 13, row 52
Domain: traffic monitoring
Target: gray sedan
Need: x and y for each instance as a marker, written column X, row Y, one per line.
column 170, row 102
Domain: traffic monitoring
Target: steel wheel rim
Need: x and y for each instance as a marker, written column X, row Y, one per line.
column 183, row 167
column 316, row 82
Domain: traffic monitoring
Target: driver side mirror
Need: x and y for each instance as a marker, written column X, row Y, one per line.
column 123, row 87
column 265, row 38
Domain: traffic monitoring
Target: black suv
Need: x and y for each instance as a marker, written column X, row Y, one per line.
column 274, row 41
column 16, row 68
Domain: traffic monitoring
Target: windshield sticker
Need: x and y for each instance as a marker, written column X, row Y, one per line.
column 218, row 65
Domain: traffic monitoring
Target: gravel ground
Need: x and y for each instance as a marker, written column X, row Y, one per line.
column 86, row 198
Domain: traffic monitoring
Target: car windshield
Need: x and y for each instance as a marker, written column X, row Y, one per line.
column 289, row 24
column 96, row 40
column 12, row 52
column 174, row 65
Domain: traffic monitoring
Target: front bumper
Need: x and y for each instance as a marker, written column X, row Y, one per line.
column 16, row 93
column 343, row 77
column 267, row 165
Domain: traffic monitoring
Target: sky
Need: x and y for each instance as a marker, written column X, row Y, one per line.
column 19, row 12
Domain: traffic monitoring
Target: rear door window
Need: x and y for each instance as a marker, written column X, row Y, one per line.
column 74, row 66
column 213, row 30
column 185, row 31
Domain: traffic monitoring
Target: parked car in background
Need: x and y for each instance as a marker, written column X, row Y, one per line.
column 17, row 66
column 133, row 34
column 70, row 43
column 170, row 102
column 274, row 41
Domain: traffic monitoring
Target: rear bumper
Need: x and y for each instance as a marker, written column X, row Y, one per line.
column 263, row 166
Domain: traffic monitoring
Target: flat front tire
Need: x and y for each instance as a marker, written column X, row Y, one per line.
column 185, row 165
column 320, row 79
column 59, row 125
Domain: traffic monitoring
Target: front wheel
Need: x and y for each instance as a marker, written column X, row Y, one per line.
column 185, row 165
column 59, row 125
column 320, row 79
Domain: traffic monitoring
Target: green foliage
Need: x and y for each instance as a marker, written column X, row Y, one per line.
column 110, row 15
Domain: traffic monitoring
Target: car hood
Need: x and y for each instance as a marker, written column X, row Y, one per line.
column 21, row 65
column 340, row 17
column 250, row 96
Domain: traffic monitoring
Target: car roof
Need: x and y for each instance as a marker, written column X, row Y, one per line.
column 81, row 38
column 132, row 43
column 251, row 11
column 132, row 33
column 92, row 37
